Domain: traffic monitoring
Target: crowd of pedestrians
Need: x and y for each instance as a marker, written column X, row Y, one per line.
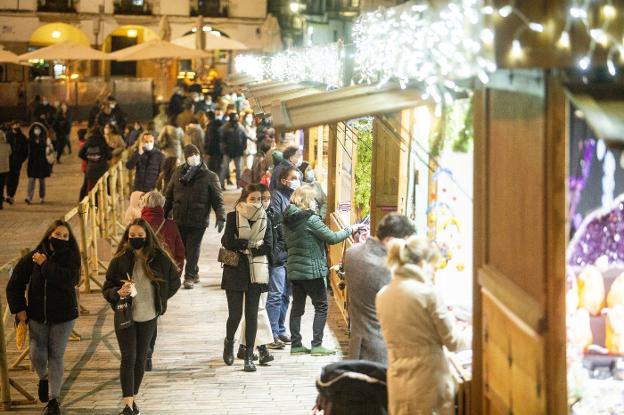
column 273, row 248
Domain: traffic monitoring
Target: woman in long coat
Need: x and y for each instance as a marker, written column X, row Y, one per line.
column 416, row 327
column 38, row 166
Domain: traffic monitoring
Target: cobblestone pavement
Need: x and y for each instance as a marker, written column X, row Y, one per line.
column 189, row 374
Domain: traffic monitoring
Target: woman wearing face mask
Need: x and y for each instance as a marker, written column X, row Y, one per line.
column 115, row 142
column 416, row 327
column 246, row 233
column 42, row 293
column 142, row 259
column 38, row 166
column 97, row 154
column 309, row 176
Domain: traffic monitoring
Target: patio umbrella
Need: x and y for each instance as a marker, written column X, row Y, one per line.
column 8, row 57
column 156, row 49
column 65, row 51
column 212, row 42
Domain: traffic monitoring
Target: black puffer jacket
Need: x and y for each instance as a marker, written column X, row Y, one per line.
column 163, row 268
column 148, row 167
column 97, row 153
column 38, row 166
column 51, row 293
column 192, row 201
column 238, row 278
column 234, row 140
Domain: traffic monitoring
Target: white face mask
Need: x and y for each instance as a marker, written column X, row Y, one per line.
column 266, row 205
column 194, row 160
column 249, row 120
column 148, row 146
column 257, row 205
column 112, row 106
column 37, row 131
column 310, row 176
column 298, row 162
column 295, row 184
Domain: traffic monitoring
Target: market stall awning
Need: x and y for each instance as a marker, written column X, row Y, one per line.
column 156, row 49
column 342, row 104
column 242, row 80
column 602, row 109
column 263, row 104
column 65, row 51
column 271, row 88
column 212, row 42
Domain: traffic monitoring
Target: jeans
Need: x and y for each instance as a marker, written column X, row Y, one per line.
column 31, row 188
column 13, row 180
column 278, row 300
column 47, row 350
column 134, row 343
column 191, row 237
column 225, row 169
column 251, row 300
column 316, row 290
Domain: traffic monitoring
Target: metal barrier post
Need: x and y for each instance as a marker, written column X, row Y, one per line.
column 94, row 234
column 83, row 208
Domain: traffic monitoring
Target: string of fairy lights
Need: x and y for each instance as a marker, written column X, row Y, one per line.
column 439, row 47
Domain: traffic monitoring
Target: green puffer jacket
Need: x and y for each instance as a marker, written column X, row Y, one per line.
column 306, row 236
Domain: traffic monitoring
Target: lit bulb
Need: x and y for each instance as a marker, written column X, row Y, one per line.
column 599, row 36
column 578, row 13
column 536, row 27
column 611, row 67
column 56, row 34
column 516, row 49
column 609, row 11
column 564, row 40
column 584, row 63
column 505, row 11
column 487, row 36
column 487, row 10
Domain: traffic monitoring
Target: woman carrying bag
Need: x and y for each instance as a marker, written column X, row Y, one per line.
column 141, row 276
column 42, row 292
column 246, row 243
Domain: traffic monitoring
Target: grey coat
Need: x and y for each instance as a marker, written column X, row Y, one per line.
column 366, row 273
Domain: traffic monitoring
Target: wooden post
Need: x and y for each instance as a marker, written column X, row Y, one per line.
column 112, row 222
column 94, row 234
column 332, row 171
column 83, row 208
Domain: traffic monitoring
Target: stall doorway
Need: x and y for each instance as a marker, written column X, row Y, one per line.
column 123, row 68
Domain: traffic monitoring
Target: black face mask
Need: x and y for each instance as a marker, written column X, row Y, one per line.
column 137, row 243
column 59, row 245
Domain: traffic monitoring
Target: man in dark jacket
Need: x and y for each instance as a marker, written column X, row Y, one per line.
column 192, row 193
column 19, row 154
column 106, row 116
column 175, row 104
column 292, row 158
column 278, row 297
column 97, row 153
column 234, row 144
column 44, row 112
column 148, row 162
column 118, row 113
column 212, row 145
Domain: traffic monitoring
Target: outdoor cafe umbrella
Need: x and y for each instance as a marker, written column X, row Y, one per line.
column 212, row 42
column 64, row 51
column 7, row 57
column 156, row 49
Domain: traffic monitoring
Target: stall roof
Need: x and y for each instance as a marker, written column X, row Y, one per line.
column 272, row 88
column 240, row 80
column 263, row 105
column 603, row 110
column 342, row 104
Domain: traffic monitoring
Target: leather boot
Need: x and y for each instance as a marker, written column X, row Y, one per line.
column 242, row 352
column 228, row 351
column 249, row 364
column 265, row 356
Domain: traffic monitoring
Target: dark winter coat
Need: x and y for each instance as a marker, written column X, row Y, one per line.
column 279, row 254
column 234, row 140
column 168, row 233
column 238, row 278
column 277, row 170
column 51, row 286
column 192, row 202
column 44, row 114
column 213, row 138
column 103, row 118
column 62, row 125
column 306, row 236
column 280, row 199
column 38, row 166
column 176, row 105
column 19, row 148
column 163, row 268
column 148, row 166
column 97, row 153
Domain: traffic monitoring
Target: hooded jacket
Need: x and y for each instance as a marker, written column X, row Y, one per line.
column 19, row 148
column 97, row 153
column 38, row 166
column 192, row 201
column 168, row 232
column 306, row 236
column 51, row 285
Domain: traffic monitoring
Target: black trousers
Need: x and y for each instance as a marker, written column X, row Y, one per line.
column 150, row 350
column 315, row 289
column 251, row 300
column 61, row 143
column 134, row 342
column 3, row 180
column 13, row 180
column 191, row 237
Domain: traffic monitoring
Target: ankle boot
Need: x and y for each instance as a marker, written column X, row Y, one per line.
column 228, row 351
column 265, row 356
column 249, row 364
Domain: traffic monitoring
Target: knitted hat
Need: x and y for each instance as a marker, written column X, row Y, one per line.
column 190, row 150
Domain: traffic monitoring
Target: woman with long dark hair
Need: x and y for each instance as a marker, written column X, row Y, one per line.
column 143, row 272
column 42, row 293
column 62, row 128
column 246, row 234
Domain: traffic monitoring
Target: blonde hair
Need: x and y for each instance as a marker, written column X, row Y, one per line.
column 153, row 199
column 412, row 250
column 303, row 196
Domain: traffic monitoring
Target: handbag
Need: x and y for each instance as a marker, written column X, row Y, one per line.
column 50, row 153
column 228, row 257
column 123, row 314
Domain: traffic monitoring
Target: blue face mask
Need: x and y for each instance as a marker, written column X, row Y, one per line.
column 295, row 184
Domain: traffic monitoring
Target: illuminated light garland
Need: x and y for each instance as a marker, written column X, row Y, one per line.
column 423, row 44
column 323, row 64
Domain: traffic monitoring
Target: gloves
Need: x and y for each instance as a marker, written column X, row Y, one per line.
column 220, row 225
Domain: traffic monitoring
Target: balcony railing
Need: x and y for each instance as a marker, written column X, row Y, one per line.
column 209, row 8
column 132, row 7
column 56, row 6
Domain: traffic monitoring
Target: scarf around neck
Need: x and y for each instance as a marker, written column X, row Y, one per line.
column 189, row 173
column 254, row 233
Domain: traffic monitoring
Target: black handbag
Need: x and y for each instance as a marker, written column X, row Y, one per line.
column 123, row 314
column 228, row 257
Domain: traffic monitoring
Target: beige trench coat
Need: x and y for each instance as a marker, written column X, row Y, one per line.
column 416, row 326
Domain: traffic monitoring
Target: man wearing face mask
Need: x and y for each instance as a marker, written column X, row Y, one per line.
column 291, row 158
column 44, row 112
column 148, row 162
column 235, row 144
column 118, row 113
column 192, row 193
